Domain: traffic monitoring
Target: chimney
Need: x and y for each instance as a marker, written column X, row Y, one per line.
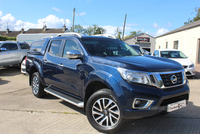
column 7, row 30
column 22, row 30
column 64, row 28
column 45, row 28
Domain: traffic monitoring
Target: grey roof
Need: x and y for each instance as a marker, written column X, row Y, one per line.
column 48, row 30
column 137, row 36
column 34, row 31
column 10, row 33
column 185, row 27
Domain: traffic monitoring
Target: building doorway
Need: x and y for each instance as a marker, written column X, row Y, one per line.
column 199, row 53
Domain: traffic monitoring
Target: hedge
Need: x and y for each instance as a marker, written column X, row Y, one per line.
column 4, row 38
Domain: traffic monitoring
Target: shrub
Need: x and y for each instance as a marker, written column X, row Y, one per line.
column 4, row 38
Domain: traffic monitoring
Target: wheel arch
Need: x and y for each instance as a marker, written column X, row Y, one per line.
column 100, row 80
column 36, row 67
column 23, row 58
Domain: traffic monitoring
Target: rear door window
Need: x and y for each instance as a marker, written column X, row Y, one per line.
column 13, row 46
column 37, row 46
column 156, row 53
column 55, row 47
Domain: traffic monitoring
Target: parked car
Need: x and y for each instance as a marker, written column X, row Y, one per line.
column 146, row 52
column 12, row 53
column 178, row 56
column 107, row 78
column 139, row 49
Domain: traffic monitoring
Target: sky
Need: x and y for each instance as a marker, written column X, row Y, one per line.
column 154, row 17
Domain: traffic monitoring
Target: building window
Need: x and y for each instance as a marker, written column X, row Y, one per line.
column 175, row 44
column 166, row 44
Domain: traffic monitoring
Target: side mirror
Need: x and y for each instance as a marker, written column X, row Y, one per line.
column 74, row 54
column 3, row 49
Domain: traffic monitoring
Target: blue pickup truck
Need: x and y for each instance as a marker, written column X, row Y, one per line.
column 106, row 77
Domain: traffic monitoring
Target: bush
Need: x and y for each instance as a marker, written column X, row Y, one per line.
column 4, row 38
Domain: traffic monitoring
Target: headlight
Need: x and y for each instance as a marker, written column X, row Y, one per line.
column 191, row 66
column 134, row 76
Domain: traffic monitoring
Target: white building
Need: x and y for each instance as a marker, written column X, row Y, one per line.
column 185, row 39
column 146, row 41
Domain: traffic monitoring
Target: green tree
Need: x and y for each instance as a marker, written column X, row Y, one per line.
column 118, row 33
column 94, row 29
column 91, row 30
column 133, row 33
column 197, row 17
column 78, row 29
column 100, row 30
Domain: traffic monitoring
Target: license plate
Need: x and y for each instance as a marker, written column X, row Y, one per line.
column 177, row 105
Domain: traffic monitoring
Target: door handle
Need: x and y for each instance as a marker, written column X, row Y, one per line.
column 45, row 61
column 61, row 65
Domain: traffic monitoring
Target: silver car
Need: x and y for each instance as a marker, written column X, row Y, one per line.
column 12, row 53
column 178, row 56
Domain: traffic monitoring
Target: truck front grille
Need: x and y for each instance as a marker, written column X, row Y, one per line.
column 168, row 79
column 185, row 66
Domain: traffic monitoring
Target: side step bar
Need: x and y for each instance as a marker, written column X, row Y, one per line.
column 65, row 97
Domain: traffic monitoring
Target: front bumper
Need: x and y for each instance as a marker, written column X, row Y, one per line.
column 190, row 71
column 161, row 98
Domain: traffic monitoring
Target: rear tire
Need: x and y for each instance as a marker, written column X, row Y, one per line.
column 36, row 85
column 103, row 112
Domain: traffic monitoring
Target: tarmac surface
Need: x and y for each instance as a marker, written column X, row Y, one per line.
column 22, row 113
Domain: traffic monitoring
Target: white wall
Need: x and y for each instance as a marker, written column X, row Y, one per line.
column 188, row 42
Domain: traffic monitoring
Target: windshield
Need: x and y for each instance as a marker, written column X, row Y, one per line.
column 108, row 47
column 172, row 54
column 138, row 49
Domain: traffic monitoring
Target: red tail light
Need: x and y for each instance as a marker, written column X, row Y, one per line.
column 25, row 61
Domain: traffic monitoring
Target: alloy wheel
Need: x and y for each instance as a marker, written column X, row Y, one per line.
column 106, row 112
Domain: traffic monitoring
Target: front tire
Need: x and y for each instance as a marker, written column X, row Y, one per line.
column 36, row 85
column 103, row 112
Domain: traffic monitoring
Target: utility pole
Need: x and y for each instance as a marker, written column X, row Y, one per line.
column 124, row 27
column 73, row 20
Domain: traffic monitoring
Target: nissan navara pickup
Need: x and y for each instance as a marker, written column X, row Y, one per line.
column 107, row 78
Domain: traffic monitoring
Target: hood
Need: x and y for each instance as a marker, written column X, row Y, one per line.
column 140, row 63
column 183, row 61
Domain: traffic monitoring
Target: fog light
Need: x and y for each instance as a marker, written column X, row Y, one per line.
column 139, row 103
